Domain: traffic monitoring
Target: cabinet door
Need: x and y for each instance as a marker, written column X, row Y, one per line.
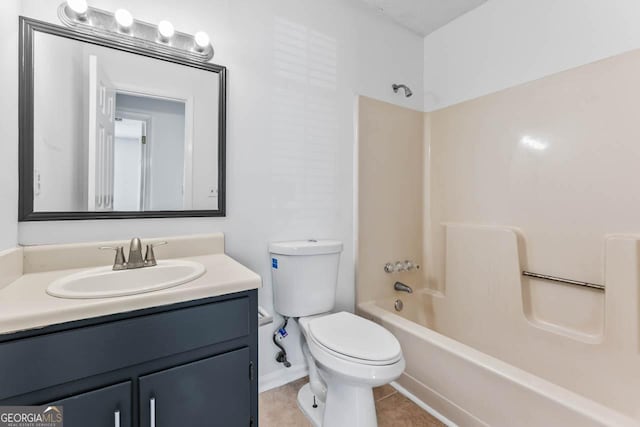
column 210, row 392
column 105, row 407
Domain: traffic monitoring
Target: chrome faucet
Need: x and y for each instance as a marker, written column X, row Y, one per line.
column 401, row 287
column 135, row 255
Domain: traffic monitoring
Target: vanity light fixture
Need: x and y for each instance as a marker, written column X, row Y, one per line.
column 78, row 8
column 122, row 27
column 124, row 19
column 165, row 31
column 202, row 40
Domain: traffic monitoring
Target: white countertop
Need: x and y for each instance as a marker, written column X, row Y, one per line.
column 24, row 303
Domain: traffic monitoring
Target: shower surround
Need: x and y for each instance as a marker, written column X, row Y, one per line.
column 540, row 178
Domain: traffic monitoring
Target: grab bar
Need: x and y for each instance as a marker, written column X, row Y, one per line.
column 565, row 281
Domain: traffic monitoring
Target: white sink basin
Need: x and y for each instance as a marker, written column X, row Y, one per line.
column 103, row 282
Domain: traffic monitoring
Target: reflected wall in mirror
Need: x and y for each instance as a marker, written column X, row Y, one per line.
column 112, row 133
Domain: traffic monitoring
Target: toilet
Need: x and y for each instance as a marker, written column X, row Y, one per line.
column 347, row 355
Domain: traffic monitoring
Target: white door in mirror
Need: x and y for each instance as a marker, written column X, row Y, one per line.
column 103, row 282
column 102, row 104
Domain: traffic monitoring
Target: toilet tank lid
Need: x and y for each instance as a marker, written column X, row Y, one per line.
column 306, row 247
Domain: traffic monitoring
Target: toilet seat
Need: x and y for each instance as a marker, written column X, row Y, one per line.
column 355, row 339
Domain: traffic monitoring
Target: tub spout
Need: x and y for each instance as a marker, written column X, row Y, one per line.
column 401, row 287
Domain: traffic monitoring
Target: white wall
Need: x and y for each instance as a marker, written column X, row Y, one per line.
column 8, row 123
column 507, row 42
column 127, row 170
column 294, row 68
column 59, row 153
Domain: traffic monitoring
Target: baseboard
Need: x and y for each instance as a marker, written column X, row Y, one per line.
column 281, row 377
column 437, row 404
column 412, row 397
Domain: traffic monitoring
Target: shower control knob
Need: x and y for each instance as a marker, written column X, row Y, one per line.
column 400, row 266
column 389, row 268
column 409, row 266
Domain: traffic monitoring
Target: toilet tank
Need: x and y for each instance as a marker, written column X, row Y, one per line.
column 304, row 275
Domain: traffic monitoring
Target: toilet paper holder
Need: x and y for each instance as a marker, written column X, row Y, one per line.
column 264, row 318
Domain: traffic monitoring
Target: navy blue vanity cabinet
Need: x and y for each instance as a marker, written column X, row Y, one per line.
column 202, row 393
column 186, row 364
column 105, row 407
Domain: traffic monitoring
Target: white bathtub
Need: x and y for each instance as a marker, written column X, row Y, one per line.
column 471, row 388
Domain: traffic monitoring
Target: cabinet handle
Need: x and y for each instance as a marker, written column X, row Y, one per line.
column 152, row 410
column 116, row 419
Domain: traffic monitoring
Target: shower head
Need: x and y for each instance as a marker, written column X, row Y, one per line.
column 407, row 91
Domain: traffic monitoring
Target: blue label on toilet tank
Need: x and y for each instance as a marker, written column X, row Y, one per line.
column 274, row 263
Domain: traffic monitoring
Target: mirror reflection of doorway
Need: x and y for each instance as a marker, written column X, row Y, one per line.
column 131, row 165
column 150, row 161
column 139, row 150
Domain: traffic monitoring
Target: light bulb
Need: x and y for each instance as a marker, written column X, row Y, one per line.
column 78, row 6
column 124, row 18
column 202, row 39
column 166, row 30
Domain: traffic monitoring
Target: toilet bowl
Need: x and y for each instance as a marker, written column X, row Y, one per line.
column 347, row 355
column 352, row 355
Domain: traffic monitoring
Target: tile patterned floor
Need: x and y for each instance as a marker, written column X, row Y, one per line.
column 279, row 408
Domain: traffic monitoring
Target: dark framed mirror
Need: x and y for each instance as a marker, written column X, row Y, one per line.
column 116, row 131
